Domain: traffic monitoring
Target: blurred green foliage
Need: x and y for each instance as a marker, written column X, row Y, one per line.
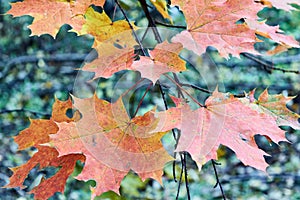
column 31, row 75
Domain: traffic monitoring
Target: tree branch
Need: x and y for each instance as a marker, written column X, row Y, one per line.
column 267, row 65
column 170, row 25
column 217, row 178
column 131, row 27
column 152, row 24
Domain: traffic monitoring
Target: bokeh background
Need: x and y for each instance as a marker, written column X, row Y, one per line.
column 34, row 70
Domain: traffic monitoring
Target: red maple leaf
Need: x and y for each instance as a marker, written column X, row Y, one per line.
column 229, row 121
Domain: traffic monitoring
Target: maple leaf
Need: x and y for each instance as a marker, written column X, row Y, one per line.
column 38, row 133
column 112, row 142
column 213, row 23
column 164, row 59
column 229, row 121
column 282, row 4
column 100, row 26
column 111, row 60
column 272, row 32
column 275, row 105
column 50, row 15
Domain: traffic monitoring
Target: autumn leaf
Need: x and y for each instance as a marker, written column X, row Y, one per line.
column 275, row 105
column 49, row 16
column 112, row 142
column 272, row 32
column 277, row 50
column 46, row 157
column 38, row 133
column 213, row 23
column 281, row 4
column 114, row 55
column 164, row 58
column 100, row 26
column 229, row 121
column 107, row 178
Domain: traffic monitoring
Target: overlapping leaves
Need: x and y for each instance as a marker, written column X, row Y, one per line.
column 111, row 144
column 107, row 139
column 214, row 23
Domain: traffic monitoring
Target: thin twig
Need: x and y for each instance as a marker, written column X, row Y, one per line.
column 207, row 91
column 176, row 138
column 170, row 25
column 178, row 88
column 177, row 84
column 152, row 24
column 145, row 33
column 142, row 99
column 217, row 178
column 186, row 176
column 131, row 27
column 268, row 65
column 180, row 178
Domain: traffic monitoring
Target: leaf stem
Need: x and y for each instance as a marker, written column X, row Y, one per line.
column 170, row 25
column 178, row 88
column 178, row 85
column 207, row 91
column 142, row 99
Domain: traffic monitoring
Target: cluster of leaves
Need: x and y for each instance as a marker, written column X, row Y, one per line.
column 110, row 142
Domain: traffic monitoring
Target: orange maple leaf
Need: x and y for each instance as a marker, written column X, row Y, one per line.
column 112, row 143
column 112, row 58
column 213, row 23
column 164, row 58
column 38, row 133
column 50, row 15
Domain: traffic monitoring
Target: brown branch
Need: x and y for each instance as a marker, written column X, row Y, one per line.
column 170, row 25
column 214, row 163
column 178, row 85
column 152, row 24
column 268, row 65
column 131, row 27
